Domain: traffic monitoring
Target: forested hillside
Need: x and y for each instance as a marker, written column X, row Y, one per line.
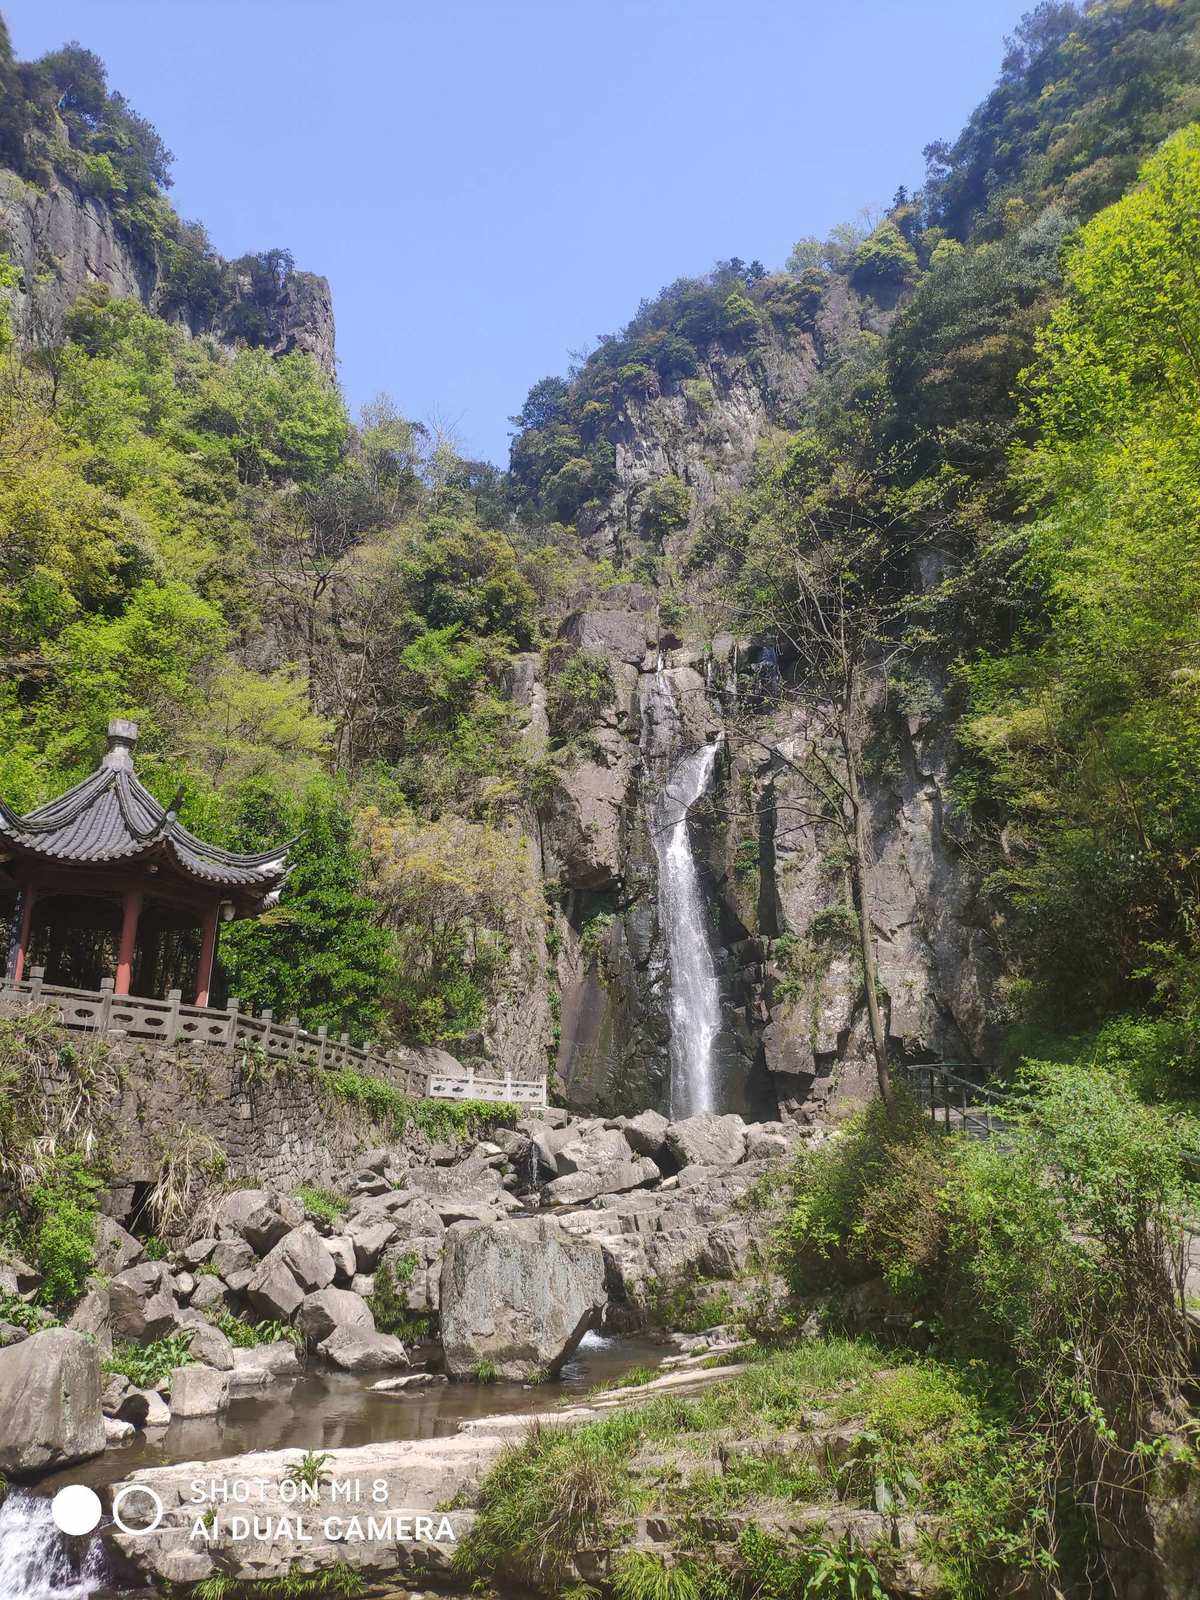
column 981, row 403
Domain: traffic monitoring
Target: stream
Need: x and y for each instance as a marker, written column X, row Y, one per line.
column 319, row 1410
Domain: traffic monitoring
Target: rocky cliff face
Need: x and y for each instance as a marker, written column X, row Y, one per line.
column 63, row 241
column 794, row 1034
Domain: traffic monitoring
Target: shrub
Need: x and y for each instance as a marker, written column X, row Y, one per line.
column 665, row 507
column 63, row 1230
column 579, row 690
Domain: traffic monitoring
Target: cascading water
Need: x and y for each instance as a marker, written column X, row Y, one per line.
column 35, row 1563
column 695, row 992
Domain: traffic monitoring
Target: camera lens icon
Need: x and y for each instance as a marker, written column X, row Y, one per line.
column 127, row 1492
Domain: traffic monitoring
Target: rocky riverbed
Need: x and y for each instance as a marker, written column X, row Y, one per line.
column 498, row 1256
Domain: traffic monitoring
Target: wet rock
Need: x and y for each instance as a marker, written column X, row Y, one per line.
column 117, row 1432
column 49, row 1402
column 326, row 1310
column 198, row 1391
column 518, row 1294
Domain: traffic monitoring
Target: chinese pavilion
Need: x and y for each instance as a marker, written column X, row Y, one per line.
column 105, row 883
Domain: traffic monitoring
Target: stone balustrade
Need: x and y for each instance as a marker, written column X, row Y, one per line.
column 170, row 1022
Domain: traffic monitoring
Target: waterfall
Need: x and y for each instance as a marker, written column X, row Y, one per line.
column 35, row 1561
column 695, row 992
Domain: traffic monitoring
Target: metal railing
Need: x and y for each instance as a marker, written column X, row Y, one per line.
column 954, row 1100
column 170, row 1022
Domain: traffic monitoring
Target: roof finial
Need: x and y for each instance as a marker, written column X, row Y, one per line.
column 122, row 736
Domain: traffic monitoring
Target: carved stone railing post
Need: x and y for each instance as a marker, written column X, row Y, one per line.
column 37, row 976
column 104, row 1020
column 323, row 1036
column 294, row 1040
column 232, row 1005
column 174, row 996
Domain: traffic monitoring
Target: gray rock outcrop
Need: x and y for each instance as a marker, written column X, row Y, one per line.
column 517, row 1295
column 49, row 1403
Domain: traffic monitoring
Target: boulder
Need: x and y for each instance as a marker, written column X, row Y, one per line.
column 363, row 1350
column 49, row 1402
column 264, row 1363
column 307, row 1256
column 210, row 1346
column 345, row 1260
column 198, row 1391
column 116, row 1250
column 209, row 1293
column 230, row 1256
column 119, row 1398
column 646, row 1134
column 194, row 1255
column 708, row 1140
column 117, row 1432
column 157, row 1411
column 236, row 1207
column 599, row 1147
column 326, row 1310
column 93, row 1316
column 517, row 1294
column 617, row 1177
column 265, row 1226
column 298, row 1264
column 272, row 1288
column 762, row 1145
column 141, row 1305
column 369, row 1232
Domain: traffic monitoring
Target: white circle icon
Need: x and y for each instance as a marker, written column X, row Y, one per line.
column 76, row 1509
column 119, row 1500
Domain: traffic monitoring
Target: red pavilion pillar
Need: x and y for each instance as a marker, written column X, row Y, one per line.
column 131, row 910
column 28, row 896
column 208, row 954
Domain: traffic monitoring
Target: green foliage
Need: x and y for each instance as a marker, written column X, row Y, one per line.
column 484, row 1372
column 245, row 1335
column 321, row 953
column 323, row 1204
column 388, row 1306
column 309, row 1470
column 578, row 691
column 1088, row 732
column 884, row 257
column 148, row 1365
column 928, row 1441
column 62, row 1229
column 664, row 508
column 437, row 1119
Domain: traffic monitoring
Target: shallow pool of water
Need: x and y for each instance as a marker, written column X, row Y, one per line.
column 321, row 1410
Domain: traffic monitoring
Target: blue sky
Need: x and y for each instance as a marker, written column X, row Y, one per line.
column 488, row 186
